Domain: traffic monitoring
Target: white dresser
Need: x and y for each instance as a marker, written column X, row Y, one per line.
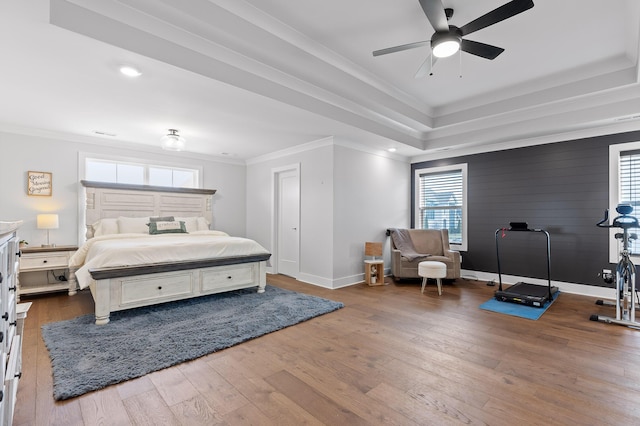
column 10, row 327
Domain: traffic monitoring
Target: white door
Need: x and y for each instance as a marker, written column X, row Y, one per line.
column 288, row 222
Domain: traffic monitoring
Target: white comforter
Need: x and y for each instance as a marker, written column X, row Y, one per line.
column 141, row 249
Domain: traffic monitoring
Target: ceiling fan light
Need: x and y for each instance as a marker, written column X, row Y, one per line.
column 173, row 141
column 446, row 44
column 446, row 48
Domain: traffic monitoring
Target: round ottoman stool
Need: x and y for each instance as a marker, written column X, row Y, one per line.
column 432, row 269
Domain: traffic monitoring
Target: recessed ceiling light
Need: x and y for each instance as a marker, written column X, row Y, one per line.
column 130, row 71
column 102, row 133
column 391, row 149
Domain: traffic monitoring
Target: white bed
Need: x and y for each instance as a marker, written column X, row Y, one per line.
column 126, row 267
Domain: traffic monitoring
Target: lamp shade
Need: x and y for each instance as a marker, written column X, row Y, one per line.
column 373, row 249
column 47, row 221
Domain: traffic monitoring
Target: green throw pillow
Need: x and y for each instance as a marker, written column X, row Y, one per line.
column 167, row 228
column 162, row 219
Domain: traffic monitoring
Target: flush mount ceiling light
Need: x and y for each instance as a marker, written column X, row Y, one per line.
column 130, row 71
column 173, row 141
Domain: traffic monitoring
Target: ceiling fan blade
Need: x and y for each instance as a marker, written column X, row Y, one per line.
column 426, row 66
column 435, row 14
column 483, row 50
column 400, row 48
column 500, row 14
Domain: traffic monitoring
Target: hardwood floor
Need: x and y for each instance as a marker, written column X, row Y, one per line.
column 391, row 356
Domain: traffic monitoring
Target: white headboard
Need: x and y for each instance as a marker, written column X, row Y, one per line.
column 111, row 200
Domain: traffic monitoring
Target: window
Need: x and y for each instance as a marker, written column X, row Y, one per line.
column 441, row 201
column 124, row 171
column 624, row 171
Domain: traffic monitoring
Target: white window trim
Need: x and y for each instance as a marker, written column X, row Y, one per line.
column 614, row 195
column 416, row 197
column 83, row 156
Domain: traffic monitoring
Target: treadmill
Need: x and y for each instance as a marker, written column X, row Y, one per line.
column 525, row 293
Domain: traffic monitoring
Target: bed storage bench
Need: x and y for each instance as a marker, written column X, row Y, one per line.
column 214, row 280
column 115, row 289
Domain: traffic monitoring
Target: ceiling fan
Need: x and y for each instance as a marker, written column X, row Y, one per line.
column 448, row 39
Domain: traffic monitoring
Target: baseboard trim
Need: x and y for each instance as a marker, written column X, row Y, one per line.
column 565, row 287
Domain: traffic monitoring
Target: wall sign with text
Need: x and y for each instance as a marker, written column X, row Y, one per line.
column 39, row 183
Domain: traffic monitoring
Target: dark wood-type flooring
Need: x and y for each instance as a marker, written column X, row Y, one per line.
column 392, row 356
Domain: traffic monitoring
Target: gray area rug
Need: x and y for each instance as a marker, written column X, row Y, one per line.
column 86, row 357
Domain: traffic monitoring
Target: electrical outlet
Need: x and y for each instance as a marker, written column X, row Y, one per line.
column 607, row 276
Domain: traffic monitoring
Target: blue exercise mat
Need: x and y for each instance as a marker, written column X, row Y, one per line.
column 517, row 310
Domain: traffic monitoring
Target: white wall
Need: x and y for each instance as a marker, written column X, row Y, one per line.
column 316, row 208
column 21, row 153
column 372, row 194
column 348, row 197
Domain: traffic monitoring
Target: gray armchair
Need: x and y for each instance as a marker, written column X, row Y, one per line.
column 409, row 247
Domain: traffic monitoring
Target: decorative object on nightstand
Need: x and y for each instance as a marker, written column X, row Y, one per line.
column 40, row 264
column 47, row 221
column 373, row 268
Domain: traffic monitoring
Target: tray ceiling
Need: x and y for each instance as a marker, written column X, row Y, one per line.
column 245, row 78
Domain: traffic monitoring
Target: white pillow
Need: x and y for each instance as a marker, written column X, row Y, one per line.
column 203, row 224
column 192, row 223
column 105, row 227
column 133, row 225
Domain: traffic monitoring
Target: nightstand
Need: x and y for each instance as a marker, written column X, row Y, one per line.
column 42, row 267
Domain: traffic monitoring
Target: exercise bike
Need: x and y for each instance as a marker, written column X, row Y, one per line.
column 625, row 269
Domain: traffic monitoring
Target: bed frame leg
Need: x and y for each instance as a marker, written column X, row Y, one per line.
column 101, row 291
column 73, row 283
column 262, row 276
column 102, row 320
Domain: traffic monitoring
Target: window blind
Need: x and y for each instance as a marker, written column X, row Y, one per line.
column 440, row 204
column 629, row 182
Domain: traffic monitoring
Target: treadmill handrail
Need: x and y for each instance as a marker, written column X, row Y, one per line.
column 548, row 255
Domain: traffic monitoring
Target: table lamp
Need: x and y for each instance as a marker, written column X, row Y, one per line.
column 47, row 221
column 373, row 249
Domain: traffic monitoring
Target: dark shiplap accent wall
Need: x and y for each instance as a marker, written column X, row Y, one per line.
column 561, row 187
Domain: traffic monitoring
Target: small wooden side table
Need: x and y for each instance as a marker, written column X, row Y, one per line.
column 374, row 272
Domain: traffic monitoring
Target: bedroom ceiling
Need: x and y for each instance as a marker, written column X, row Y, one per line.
column 241, row 79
